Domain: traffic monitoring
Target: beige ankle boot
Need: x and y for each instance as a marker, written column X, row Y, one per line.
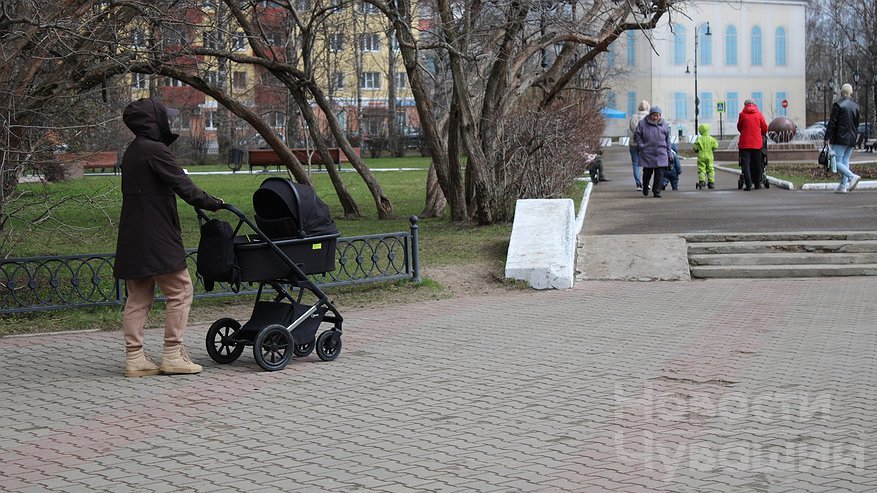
column 175, row 360
column 137, row 364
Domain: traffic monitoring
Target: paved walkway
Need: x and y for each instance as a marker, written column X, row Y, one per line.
column 720, row 385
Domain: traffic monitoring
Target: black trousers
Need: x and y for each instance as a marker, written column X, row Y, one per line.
column 647, row 176
column 750, row 162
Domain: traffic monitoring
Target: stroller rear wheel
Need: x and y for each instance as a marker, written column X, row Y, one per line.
column 328, row 345
column 273, row 347
column 220, row 345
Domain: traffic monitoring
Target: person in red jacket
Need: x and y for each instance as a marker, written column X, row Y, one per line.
column 752, row 128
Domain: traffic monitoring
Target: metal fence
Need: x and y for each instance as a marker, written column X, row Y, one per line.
column 77, row 281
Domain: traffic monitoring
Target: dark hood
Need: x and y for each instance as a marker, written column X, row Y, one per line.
column 148, row 118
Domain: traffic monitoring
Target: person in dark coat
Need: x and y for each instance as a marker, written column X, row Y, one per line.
column 652, row 139
column 842, row 130
column 149, row 250
column 752, row 128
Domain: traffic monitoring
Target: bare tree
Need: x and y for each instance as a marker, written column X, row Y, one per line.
column 496, row 53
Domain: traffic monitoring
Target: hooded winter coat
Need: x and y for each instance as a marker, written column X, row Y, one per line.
column 705, row 145
column 752, row 128
column 653, row 142
column 150, row 241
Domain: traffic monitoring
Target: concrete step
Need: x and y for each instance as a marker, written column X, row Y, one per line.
column 826, row 246
column 795, row 236
column 782, row 258
column 776, row 271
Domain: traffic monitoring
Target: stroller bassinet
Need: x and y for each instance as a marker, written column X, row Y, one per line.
column 294, row 236
column 292, row 217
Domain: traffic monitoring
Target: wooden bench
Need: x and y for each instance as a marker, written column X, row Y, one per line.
column 267, row 157
column 92, row 160
column 868, row 145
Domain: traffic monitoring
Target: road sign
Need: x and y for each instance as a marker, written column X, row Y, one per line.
column 785, row 103
column 720, row 106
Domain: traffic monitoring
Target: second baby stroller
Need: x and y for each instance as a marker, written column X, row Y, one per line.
column 764, row 181
column 294, row 237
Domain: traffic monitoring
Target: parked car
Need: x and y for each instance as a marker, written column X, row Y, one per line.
column 866, row 129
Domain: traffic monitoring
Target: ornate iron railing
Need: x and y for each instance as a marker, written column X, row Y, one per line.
column 77, row 281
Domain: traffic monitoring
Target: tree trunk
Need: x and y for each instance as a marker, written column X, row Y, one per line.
column 429, row 126
column 382, row 203
column 351, row 209
column 435, row 199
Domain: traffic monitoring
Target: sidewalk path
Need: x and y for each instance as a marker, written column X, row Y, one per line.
column 697, row 386
column 611, row 386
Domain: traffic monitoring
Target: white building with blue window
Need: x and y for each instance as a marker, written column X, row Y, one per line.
column 755, row 50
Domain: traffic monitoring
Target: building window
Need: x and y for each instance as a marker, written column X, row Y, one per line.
column 758, row 97
column 779, row 110
column 212, row 40
column 679, row 45
column 706, row 106
column 631, row 49
column 336, row 43
column 731, row 46
column 171, row 82
column 210, row 120
column 755, row 41
column 732, row 104
column 680, row 106
column 610, row 56
column 138, row 39
column 631, row 102
column 781, row 47
column 370, row 80
column 139, row 81
column 706, row 46
column 370, row 43
column 338, row 80
column 368, row 8
column 401, row 80
column 275, row 38
column 238, row 41
column 611, row 100
column 239, row 80
column 212, row 78
column 277, row 119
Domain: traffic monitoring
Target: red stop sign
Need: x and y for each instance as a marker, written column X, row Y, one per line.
column 785, row 103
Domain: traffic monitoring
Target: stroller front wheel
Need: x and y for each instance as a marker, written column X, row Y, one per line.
column 273, row 347
column 328, row 345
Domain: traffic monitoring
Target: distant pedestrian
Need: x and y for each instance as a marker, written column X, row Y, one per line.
column 842, row 130
column 704, row 146
column 652, row 138
column 149, row 250
column 752, row 128
column 642, row 112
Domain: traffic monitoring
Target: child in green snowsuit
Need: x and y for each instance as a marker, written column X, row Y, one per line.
column 704, row 146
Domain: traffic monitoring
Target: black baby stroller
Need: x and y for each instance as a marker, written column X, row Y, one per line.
column 294, row 237
column 764, row 181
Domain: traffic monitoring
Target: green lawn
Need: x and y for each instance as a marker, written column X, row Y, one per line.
column 86, row 211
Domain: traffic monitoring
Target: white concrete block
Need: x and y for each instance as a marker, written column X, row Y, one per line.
column 542, row 247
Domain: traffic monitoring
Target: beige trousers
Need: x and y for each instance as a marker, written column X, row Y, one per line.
column 177, row 288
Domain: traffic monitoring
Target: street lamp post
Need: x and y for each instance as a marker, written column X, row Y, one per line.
column 856, row 77
column 696, row 95
column 825, row 90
